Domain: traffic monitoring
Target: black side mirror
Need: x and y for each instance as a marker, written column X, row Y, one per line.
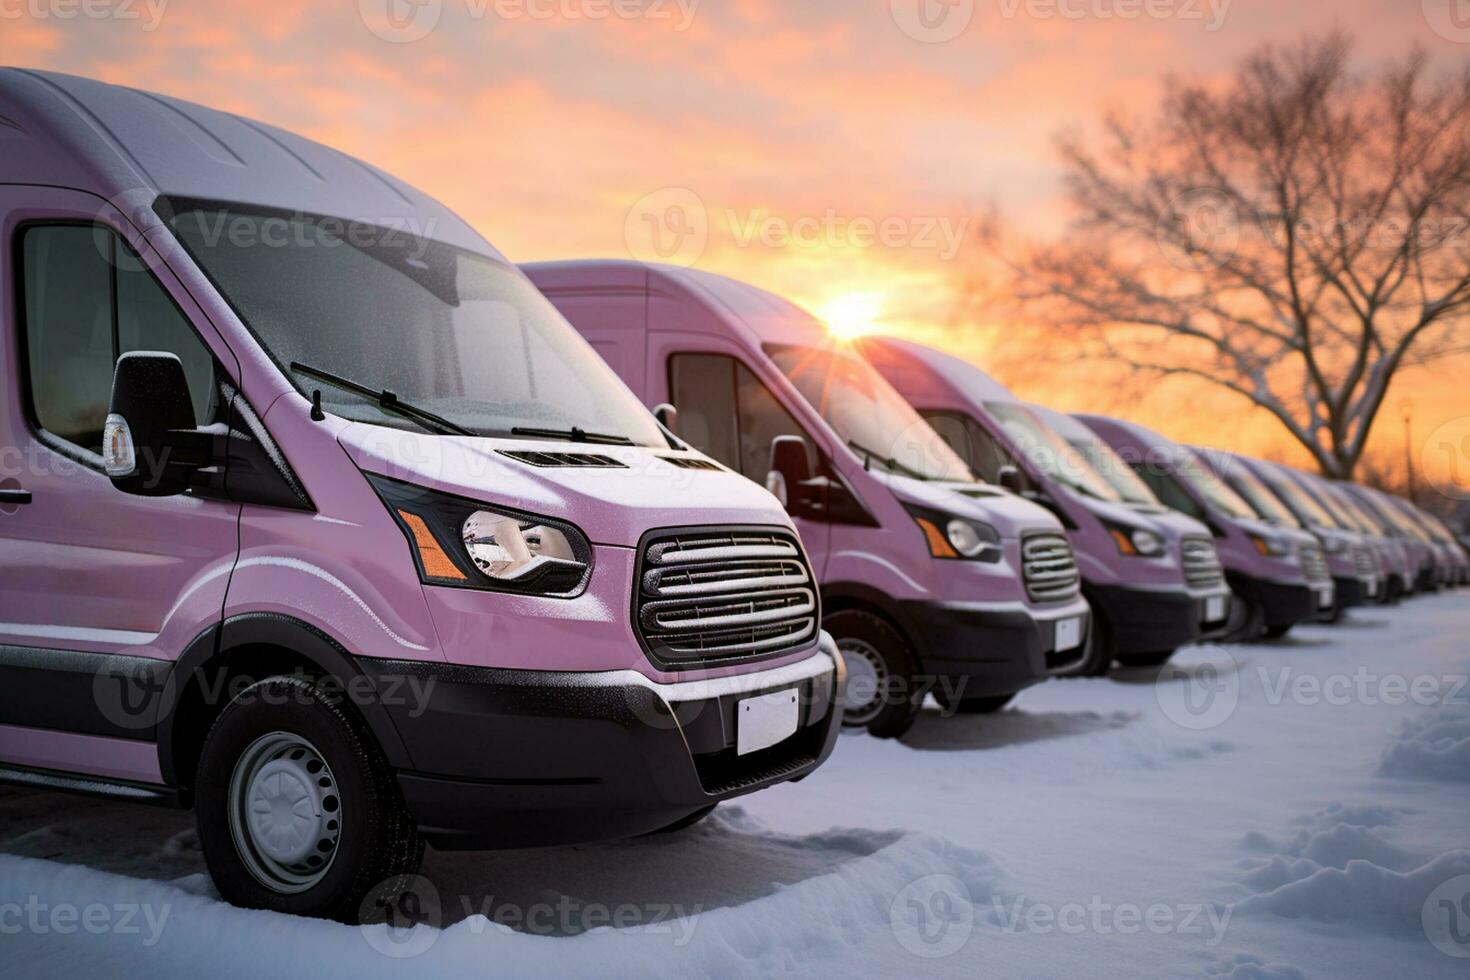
column 791, row 469
column 149, row 444
column 1010, row 478
column 668, row 417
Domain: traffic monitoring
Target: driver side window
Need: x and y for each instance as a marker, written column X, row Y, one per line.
column 726, row 412
column 88, row 299
column 971, row 442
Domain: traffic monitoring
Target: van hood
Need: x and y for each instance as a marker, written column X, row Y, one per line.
column 612, row 504
column 1172, row 524
column 1009, row 514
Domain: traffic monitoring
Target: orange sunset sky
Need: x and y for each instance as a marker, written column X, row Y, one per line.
column 779, row 132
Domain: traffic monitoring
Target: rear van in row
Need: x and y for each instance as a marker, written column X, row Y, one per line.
column 931, row 580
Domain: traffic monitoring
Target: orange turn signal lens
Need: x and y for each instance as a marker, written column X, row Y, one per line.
column 436, row 563
column 1125, row 543
column 939, row 546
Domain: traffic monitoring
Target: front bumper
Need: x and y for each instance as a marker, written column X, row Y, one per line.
column 993, row 649
column 1285, row 604
column 518, row 758
column 1160, row 620
column 1356, row 591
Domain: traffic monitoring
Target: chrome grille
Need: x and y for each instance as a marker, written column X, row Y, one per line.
column 711, row 595
column 1314, row 563
column 1201, row 562
column 1048, row 568
column 1363, row 561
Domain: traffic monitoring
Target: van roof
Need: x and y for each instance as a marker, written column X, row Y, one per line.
column 711, row 303
column 965, row 380
column 131, row 146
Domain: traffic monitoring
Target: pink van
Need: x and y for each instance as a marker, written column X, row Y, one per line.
column 1151, row 575
column 316, row 517
column 931, row 581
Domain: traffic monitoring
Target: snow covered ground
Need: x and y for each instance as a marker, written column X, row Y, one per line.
column 1299, row 809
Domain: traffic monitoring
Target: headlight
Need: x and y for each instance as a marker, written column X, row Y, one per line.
column 1137, row 541
column 1270, row 547
column 463, row 543
column 957, row 538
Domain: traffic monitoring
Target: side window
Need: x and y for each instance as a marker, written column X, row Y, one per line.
column 1168, row 490
column 762, row 419
column 725, row 411
column 703, row 389
column 88, row 298
column 971, row 442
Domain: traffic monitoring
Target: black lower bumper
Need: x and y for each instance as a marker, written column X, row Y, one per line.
column 1282, row 604
column 1351, row 592
column 1147, row 620
column 991, row 652
column 517, row 758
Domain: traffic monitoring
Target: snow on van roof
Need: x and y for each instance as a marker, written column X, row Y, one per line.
column 131, row 146
column 965, row 378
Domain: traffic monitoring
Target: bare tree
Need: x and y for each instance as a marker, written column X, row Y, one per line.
column 1296, row 235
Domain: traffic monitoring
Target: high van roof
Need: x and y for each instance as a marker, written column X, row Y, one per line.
column 130, row 147
column 926, row 368
column 692, row 300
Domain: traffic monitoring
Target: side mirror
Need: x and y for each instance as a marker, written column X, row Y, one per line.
column 791, row 467
column 1010, row 478
column 149, row 444
column 668, row 417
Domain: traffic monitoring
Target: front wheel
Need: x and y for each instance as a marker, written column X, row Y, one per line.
column 297, row 810
column 883, row 695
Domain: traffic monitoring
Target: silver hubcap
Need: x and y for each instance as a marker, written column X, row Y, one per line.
column 867, row 675
column 285, row 812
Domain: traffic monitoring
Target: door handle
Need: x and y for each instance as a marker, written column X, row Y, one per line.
column 15, row 496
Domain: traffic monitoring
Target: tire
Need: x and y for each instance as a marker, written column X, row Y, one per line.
column 265, row 749
column 1145, row 659
column 880, row 660
column 684, row 823
column 1101, row 647
column 1276, row 632
column 1247, row 622
column 977, row 706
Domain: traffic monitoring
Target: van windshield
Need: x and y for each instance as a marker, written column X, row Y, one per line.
column 450, row 332
column 1258, row 495
column 1194, row 471
column 1308, row 510
column 1049, row 452
column 1104, row 461
column 868, row 414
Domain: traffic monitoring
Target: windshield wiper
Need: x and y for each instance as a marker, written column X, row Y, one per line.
column 894, row 465
column 386, row 400
column 573, row 434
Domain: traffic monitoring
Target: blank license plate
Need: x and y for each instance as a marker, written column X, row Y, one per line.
column 1215, row 608
column 1069, row 634
column 1324, row 598
column 1372, row 588
column 762, row 722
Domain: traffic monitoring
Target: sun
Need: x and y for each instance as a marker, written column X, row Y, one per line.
column 851, row 315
